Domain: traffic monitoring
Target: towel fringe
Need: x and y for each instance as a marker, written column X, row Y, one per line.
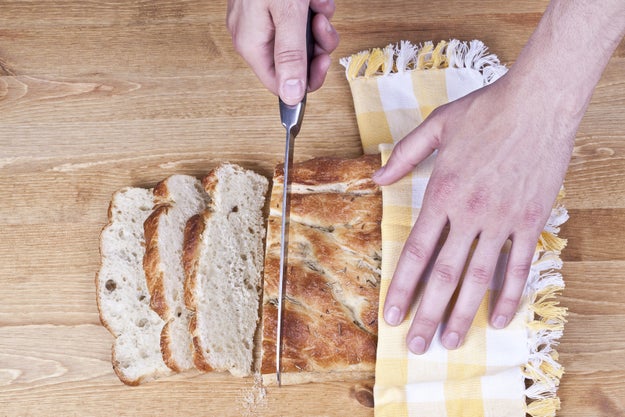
column 545, row 284
column 406, row 56
column 546, row 407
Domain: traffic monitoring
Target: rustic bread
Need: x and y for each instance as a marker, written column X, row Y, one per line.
column 223, row 259
column 330, row 307
column 121, row 291
column 177, row 198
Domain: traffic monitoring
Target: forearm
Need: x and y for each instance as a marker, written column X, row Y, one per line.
column 569, row 50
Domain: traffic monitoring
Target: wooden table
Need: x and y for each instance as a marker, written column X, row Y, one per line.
column 99, row 95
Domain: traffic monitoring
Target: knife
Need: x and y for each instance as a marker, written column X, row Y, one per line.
column 291, row 117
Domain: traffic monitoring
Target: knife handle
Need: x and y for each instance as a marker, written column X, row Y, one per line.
column 310, row 44
column 292, row 115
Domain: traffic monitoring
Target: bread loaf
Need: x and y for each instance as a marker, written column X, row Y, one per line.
column 195, row 302
column 121, row 291
column 177, row 198
column 223, row 258
column 330, row 306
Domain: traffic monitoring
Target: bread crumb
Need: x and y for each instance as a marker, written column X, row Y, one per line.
column 254, row 399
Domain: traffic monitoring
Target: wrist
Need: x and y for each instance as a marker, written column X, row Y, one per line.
column 564, row 58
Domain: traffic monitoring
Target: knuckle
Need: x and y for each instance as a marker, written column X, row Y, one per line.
column 441, row 189
column 480, row 275
column 519, row 272
column 424, row 321
column 400, row 291
column 325, row 7
column 236, row 43
column 401, row 154
column 230, row 26
column 416, row 252
column 444, row 274
column 240, row 45
column 231, row 21
column 289, row 56
column 507, row 303
column 477, row 202
column 533, row 214
column 231, row 17
column 461, row 321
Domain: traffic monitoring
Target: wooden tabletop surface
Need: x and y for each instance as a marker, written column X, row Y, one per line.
column 95, row 96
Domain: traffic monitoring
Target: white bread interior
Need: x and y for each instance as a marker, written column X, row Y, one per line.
column 121, row 291
column 224, row 250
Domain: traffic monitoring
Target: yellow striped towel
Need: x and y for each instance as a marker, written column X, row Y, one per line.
column 508, row 372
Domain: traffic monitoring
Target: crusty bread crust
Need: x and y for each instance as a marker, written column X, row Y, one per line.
column 151, row 260
column 295, row 378
column 166, row 339
column 98, row 297
column 165, row 342
column 192, row 241
column 120, row 373
column 332, row 285
column 103, row 320
column 209, row 182
column 348, row 175
column 198, row 358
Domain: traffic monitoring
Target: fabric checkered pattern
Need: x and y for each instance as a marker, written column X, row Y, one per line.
column 394, row 89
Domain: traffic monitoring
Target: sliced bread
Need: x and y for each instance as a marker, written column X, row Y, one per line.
column 223, row 259
column 177, row 198
column 121, row 291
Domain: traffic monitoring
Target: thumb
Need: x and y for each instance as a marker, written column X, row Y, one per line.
column 290, row 50
column 408, row 153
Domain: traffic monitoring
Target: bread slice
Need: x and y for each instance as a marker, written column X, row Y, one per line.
column 330, row 308
column 177, row 198
column 223, row 265
column 121, row 291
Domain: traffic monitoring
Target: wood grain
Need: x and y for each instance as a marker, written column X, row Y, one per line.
column 99, row 95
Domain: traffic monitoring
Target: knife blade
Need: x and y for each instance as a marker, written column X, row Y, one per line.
column 291, row 117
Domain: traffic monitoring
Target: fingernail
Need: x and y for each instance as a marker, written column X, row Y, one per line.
column 451, row 340
column 329, row 27
column 417, row 345
column 392, row 316
column 378, row 174
column 500, row 322
column 292, row 90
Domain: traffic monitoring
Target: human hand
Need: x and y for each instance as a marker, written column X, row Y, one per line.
column 503, row 152
column 271, row 36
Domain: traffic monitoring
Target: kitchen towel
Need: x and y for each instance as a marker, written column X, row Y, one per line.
column 509, row 372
